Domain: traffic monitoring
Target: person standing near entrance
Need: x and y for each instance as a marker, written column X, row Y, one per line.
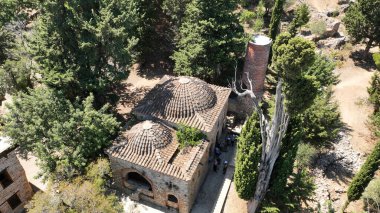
column 225, row 165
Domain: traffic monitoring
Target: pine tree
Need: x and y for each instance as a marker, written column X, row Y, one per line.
column 301, row 18
column 362, row 22
column 14, row 62
column 63, row 136
column 248, row 157
column 211, row 39
column 307, row 77
column 365, row 175
column 85, row 46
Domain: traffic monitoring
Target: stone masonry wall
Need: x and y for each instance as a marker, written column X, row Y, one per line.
column 20, row 183
column 198, row 178
column 159, row 182
column 162, row 185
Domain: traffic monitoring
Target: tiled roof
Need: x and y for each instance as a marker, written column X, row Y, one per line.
column 154, row 146
column 185, row 100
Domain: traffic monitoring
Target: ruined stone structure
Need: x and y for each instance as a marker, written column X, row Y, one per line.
column 15, row 190
column 147, row 161
column 189, row 101
column 256, row 62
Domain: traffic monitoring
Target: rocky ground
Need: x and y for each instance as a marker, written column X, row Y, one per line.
column 335, row 166
column 333, row 170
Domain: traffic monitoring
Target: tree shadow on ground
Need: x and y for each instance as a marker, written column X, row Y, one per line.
column 129, row 97
column 333, row 166
column 362, row 60
column 155, row 68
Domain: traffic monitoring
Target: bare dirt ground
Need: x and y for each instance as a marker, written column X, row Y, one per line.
column 352, row 97
column 133, row 89
column 356, row 140
column 323, row 5
column 234, row 204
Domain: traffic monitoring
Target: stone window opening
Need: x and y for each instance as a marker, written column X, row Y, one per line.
column 5, row 178
column 138, row 180
column 14, row 201
column 172, row 198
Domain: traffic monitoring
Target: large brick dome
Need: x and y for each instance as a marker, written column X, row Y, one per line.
column 183, row 97
column 145, row 137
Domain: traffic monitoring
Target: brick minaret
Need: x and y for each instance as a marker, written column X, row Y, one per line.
column 256, row 62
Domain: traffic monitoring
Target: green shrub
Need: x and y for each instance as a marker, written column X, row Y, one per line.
column 374, row 92
column 305, row 155
column 247, row 17
column 318, row 27
column 375, row 121
column 335, row 13
column 301, row 18
column 376, row 59
column 254, row 19
column 188, row 136
column 371, row 195
column 365, row 175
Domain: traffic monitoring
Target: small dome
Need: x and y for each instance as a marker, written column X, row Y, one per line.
column 147, row 136
column 182, row 97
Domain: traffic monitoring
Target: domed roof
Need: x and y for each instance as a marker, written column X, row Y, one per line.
column 182, row 97
column 145, row 137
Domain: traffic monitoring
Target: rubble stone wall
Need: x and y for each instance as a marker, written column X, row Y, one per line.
column 20, row 185
column 162, row 184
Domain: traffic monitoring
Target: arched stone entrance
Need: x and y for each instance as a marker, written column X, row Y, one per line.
column 138, row 181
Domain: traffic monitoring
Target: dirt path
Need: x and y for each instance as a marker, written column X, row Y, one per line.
column 335, row 167
column 352, row 97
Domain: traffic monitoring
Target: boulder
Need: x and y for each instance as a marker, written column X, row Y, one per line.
column 333, row 43
column 331, row 29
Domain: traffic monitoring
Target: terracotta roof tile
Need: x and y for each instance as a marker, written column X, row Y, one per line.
column 185, row 100
column 154, row 146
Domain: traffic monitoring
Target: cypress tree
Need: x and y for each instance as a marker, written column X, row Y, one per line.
column 365, row 175
column 248, row 157
column 276, row 18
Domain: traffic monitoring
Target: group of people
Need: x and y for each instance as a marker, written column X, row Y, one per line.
column 230, row 141
column 217, row 161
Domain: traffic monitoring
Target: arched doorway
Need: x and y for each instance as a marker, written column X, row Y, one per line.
column 172, row 198
column 138, row 181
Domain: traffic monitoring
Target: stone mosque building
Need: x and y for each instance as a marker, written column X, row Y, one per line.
column 146, row 160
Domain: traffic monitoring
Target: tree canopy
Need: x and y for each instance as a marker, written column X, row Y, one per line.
column 374, row 91
column 84, row 194
column 210, row 39
column 85, row 46
column 248, row 157
column 301, row 18
column 275, row 20
column 63, row 136
column 362, row 22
